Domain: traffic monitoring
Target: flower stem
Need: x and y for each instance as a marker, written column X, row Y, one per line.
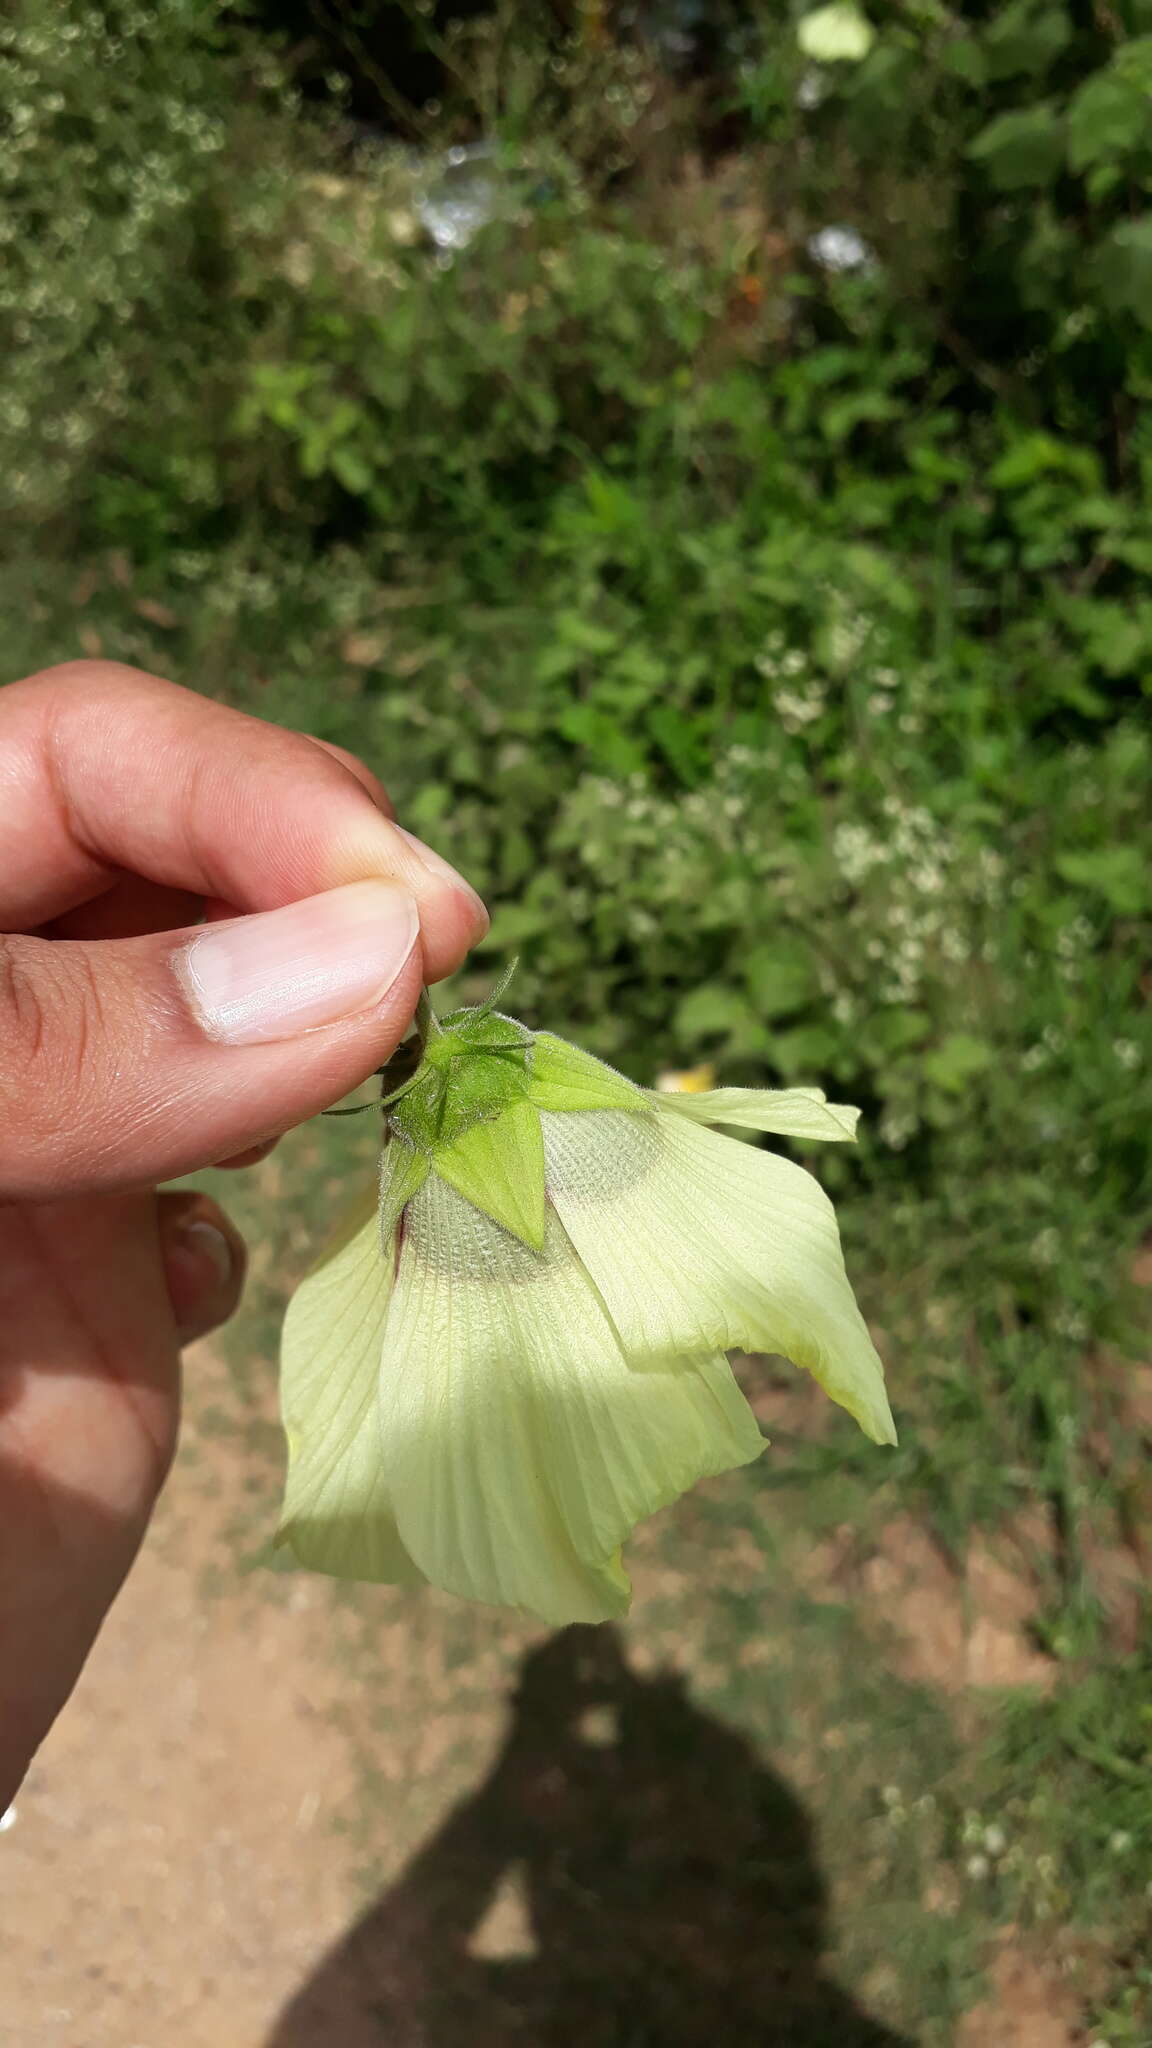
column 427, row 1022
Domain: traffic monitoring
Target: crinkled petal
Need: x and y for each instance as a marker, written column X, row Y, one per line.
column 520, row 1445
column 402, row 1171
column 698, row 1242
column 336, row 1515
column 789, row 1112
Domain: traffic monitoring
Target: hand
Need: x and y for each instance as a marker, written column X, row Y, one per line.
column 136, row 1044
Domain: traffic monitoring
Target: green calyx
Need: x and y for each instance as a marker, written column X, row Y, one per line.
column 471, row 1110
column 475, row 1065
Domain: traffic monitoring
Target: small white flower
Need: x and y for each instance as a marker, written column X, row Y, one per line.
column 840, row 248
column 812, row 89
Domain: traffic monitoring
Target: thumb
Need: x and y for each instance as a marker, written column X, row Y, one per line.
column 125, row 1062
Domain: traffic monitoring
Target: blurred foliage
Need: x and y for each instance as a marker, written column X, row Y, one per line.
column 111, row 120
column 731, row 545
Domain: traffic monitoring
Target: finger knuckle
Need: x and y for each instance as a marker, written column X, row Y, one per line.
column 51, row 1028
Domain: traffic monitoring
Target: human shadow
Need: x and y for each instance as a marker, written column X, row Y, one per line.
column 672, row 1896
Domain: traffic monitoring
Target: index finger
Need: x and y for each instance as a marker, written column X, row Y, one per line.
column 104, row 769
column 361, row 771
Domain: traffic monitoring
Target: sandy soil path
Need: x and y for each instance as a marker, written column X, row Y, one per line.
column 194, row 1834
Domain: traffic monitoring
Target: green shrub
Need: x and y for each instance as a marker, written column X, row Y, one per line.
column 112, row 116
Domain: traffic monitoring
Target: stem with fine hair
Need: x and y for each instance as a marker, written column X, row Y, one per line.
column 427, row 1022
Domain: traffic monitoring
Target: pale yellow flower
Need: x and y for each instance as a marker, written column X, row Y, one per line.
column 489, row 1382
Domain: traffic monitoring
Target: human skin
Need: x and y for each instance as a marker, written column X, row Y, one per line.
column 137, row 1044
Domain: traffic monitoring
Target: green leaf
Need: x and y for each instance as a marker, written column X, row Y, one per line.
column 1032, row 455
column 586, row 725
column 781, row 979
column 1133, row 62
column 1117, row 873
column 711, row 1012
column 965, row 59
column 1020, row 149
column 1024, row 38
column 350, row 469
column 1116, row 637
column 1124, row 268
column 895, row 1028
column 957, row 1061
column 803, row 1051
column 514, row 922
column 1109, row 117
column 681, row 739
column 841, row 416
column 499, row 1168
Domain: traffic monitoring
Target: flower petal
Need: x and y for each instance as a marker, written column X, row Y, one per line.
column 336, row 1515
column 402, row 1171
column 520, row 1445
column 790, row 1112
column 565, row 1077
column 698, row 1242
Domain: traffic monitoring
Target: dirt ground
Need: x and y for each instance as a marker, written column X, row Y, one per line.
column 282, row 1814
column 189, row 1842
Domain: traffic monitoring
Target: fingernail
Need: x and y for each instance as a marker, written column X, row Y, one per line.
column 437, row 865
column 205, row 1245
column 203, row 1272
column 274, row 975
